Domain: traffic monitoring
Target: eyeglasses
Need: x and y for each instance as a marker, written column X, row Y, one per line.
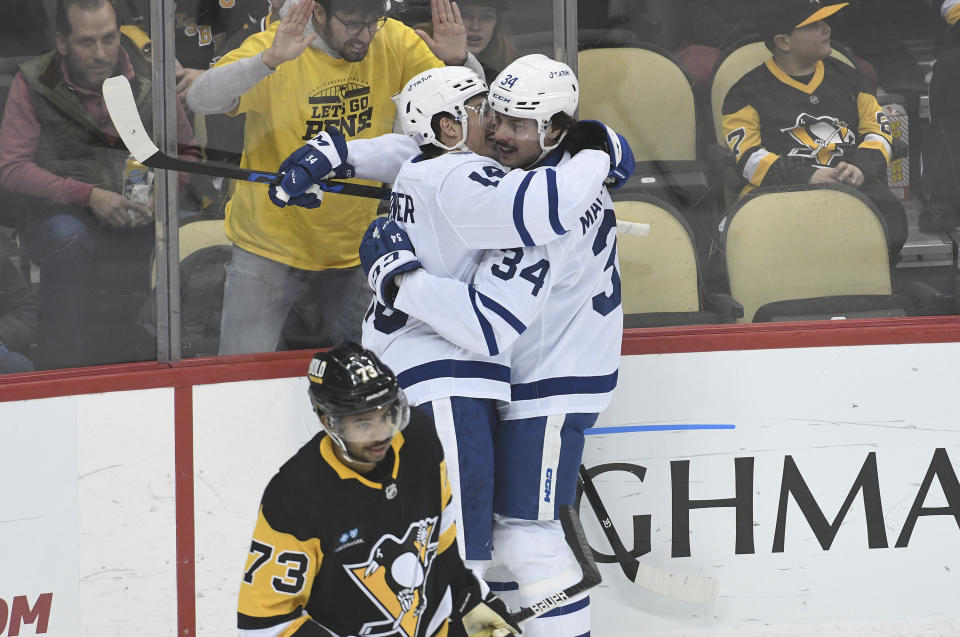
column 482, row 110
column 354, row 27
column 479, row 110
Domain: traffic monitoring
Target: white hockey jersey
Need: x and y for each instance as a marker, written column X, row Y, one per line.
column 556, row 307
column 452, row 207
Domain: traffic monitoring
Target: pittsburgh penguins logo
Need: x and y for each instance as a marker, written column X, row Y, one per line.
column 343, row 103
column 820, row 138
column 393, row 577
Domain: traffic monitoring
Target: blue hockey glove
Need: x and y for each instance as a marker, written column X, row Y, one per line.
column 588, row 133
column 385, row 252
column 312, row 198
column 321, row 158
column 622, row 164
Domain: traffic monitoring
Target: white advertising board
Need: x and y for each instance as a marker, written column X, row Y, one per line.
column 39, row 587
column 243, row 432
column 695, row 424
column 127, row 472
column 87, row 520
column 817, row 485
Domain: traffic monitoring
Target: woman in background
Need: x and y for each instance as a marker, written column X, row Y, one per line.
column 488, row 32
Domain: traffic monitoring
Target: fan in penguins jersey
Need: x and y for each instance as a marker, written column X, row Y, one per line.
column 454, row 203
column 556, row 311
column 804, row 117
column 356, row 532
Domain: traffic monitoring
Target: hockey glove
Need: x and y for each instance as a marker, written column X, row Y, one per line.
column 588, row 133
column 385, row 252
column 483, row 616
column 312, row 198
column 321, row 158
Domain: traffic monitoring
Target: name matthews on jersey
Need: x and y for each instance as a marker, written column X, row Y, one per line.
column 591, row 215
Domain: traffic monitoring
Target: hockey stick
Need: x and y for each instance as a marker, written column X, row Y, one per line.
column 697, row 589
column 118, row 96
column 632, row 227
column 573, row 533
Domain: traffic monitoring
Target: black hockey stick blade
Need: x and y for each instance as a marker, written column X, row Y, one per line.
column 118, row 96
column 696, row 589
column 573, row 533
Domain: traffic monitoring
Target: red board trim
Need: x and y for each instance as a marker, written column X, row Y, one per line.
column 666, row 340
column 186, row 537
column 717, row 338
column 131, row 376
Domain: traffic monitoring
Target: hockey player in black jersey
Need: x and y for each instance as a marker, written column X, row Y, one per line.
column 804, row 117
column 356, row 534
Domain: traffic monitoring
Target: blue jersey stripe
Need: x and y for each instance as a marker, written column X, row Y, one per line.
column 502, row 312
column 449, row 368
column 553, row 200
column 553, row 159
column 485, row 326
column 500, row 587
column 564, row 385
column 568, row 609
column 518, row 211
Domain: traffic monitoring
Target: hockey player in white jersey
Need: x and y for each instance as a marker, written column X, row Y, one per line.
column 454, row 203
column 559, row 307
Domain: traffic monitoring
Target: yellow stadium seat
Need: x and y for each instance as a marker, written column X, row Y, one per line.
column 204, row 252
column 808, row 252
column 659, row 273
column 644, row 94
column 194, row 236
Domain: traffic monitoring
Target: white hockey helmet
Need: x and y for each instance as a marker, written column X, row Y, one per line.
column 441, row 90
column 536, row 87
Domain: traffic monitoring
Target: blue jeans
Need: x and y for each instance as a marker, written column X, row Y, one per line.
column 62, row 246
column 85, row 265
column 14, row 363
column 259, row 293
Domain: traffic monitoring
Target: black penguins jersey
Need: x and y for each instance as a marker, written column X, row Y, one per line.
column 336, row 552
column 781, row 128
column 204, row 29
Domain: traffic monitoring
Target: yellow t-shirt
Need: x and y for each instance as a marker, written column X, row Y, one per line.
column 291, row 106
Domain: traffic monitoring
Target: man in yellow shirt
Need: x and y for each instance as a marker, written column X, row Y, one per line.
column 292, row 85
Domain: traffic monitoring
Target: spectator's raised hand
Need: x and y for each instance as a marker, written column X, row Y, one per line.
column 289, row 41
column 449, row 41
